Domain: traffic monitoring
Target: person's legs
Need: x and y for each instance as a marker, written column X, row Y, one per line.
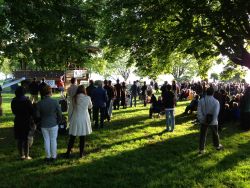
column 172, row 120
column 135, row 101
column 168, row 120
column 203, row 134
column 118, row 102
column 144, row 100
column 70, row 144
column 20, row 148
column 53, row 132
column 131, row 100
column 216, row 139
column 187, row 109
column 96, row 116
column 102, row 116
column 107, row 110
column 26, row 148
column 82, row 145
column 150, row 112
column 45, row 132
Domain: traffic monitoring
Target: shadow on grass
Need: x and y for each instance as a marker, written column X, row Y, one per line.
column 150, row 166
column 136, row 168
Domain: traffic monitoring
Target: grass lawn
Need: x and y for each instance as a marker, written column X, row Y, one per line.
column 131, row 151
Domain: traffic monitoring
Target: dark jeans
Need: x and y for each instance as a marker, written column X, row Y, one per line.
column 144, row 98
column 131, row 101
column 117, row 103
column 96, row 111
column 71, row 144
column 23, row 147
column 203, row 135
column 107, row 110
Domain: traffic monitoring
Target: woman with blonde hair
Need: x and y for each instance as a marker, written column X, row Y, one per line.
column 80, row 124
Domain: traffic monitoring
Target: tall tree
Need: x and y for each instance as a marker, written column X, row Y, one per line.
column 53, row 33
column 204, row 29
column 233, row 73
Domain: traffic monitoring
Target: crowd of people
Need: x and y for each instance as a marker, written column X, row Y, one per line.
column 215, row 104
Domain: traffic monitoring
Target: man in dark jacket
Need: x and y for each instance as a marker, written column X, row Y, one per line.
column 99, row 100
column 117, row 100
column 134, row 92
column 110, row 92
column 42, row 85
column 89, row 90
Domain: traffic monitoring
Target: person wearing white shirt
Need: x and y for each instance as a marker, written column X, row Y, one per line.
column 208, row 105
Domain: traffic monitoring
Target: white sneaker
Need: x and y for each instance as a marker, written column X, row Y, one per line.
column 201, row 152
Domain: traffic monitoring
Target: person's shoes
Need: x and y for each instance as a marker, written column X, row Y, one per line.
column 47, row 160
column 23, row 157
column 201, row 152
column 28, row 158
column 220, row 147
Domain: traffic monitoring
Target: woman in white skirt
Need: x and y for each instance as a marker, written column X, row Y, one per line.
column 80, row 124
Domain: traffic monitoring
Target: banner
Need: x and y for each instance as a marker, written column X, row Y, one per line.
column 51, row 83
column 79, row 73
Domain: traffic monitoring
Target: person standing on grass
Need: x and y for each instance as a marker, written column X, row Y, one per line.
column 80, row 124
column 100, row 99
column 49, row 111
column 110, row 92
column 60, row 86
column 71, row 91
column 144, row 93
column 22, row 108
column 208, row 106
column 133, row 94
column 89, row 91
column 117, row 100
column 169, row 101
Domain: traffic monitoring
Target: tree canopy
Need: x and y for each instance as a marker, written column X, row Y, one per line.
column 152, row 30
column 51, row 33
column 56, row 33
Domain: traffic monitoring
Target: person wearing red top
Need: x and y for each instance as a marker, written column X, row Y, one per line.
column 60, row 86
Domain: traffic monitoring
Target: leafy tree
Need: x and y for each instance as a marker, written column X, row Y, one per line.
column 214, row 76
column 152, row 30
column 53, row 33
column 117, row 63
column 233, row 73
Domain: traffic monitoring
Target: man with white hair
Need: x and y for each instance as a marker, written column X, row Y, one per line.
column 208, row 111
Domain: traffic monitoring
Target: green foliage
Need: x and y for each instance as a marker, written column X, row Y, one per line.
column 52, row 33
column 233, row 73
column 131, row 151
column 214, row 76
column 152, row 30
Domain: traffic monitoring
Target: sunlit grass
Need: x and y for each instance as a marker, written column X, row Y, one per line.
column 131, row 151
